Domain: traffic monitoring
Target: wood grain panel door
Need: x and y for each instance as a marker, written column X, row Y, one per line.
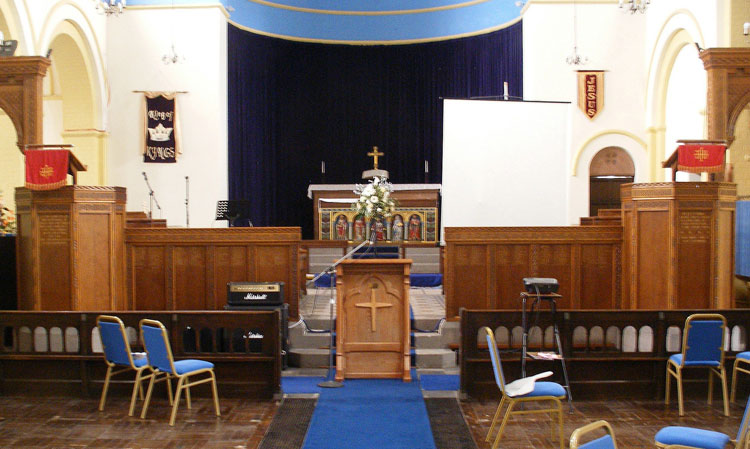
column 512, row 265
column 189, row 279
column 94, row 270
column 653, row 260
column 149, row 277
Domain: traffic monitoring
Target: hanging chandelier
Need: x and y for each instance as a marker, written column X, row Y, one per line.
column 574, row 58
column 634, row 6
column 110, row 7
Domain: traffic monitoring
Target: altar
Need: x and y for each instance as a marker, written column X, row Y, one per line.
column 416, row 218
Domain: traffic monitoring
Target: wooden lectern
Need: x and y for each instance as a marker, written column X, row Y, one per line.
column 372, row 324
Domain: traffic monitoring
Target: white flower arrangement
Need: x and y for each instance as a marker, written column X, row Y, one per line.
column 375, row 199
column 7, row 219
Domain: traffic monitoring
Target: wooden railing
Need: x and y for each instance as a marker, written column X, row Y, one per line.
column 60, row 352
column 608, row 353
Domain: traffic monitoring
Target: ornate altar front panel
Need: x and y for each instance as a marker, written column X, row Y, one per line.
column 416, row 218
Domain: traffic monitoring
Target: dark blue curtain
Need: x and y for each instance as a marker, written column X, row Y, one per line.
column 293, row 105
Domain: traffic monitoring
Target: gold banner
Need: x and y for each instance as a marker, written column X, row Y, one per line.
column 591, row 92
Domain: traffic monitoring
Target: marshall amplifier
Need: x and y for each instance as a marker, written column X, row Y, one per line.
column 262, row 296
column 248, row 294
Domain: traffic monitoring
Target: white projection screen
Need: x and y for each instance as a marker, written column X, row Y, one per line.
column 504, row 163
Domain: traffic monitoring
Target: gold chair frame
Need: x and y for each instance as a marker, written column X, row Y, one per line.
column 183, row 380
column 112, row 367
column 735, row 370
column 601, row 424
column 513, row 401
column 676, row 370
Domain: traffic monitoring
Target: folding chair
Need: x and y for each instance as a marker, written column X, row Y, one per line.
column 542, row 392
column 117, row 354
column 604, row 442
column 702, row 347
column 162, row 364
column 741, row 358
column 674, row 437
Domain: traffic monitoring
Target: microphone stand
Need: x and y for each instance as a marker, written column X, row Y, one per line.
column 187, row 196
column 330, row 381
column 151, row 199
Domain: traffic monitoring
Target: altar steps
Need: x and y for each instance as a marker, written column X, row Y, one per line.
column 433, row 349
column 430, row 350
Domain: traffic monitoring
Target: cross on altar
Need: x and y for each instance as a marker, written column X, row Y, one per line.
column 374, row 154
column 373, row 305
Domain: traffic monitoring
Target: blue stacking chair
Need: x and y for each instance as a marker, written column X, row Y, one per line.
column 118, row 357
column 744, row 359
column 702, row 347
column 545, row 392
column 163, row 367
column 604, row 442
column 674, row 437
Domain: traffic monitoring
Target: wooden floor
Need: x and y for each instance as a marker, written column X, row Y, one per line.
column 71, row 422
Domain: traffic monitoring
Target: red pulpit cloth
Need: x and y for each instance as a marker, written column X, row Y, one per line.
column 46, row 169
column 697, row 158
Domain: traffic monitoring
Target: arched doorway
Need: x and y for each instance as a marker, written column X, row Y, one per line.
column 609, row 168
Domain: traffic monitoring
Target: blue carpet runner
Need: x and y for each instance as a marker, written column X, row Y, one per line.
column 370, row 414
column 439, row 382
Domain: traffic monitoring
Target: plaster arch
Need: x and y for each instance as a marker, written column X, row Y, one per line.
column 634, row 146
column 631, row 143
column 18, row 27
column 66, row 17
column 679, row 30
column 77, row 88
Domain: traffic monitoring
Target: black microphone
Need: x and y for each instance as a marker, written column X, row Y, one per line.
column 144, row 176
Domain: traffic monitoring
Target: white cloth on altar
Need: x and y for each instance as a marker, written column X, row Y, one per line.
column 396, row 187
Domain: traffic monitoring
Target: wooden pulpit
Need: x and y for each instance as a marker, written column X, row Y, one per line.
column 372, row 323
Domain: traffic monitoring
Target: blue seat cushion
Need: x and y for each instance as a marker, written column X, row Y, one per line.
column 604, row 442
column 546, row 389
column 139, row 362
column 744, row 355
column 190, row 365
column 688, row 436
column 677, row 358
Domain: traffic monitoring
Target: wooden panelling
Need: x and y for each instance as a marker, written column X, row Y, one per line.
column 189, row 280
column 598, row 281
column 679, row 245
column 512, row 262
column 617, row 368
column 147, row 269
column 230, row 262
column 653, row 251
column 70, row 244
column 92, row 278
column 188, row 269
column 68, row 364
column 484, row 267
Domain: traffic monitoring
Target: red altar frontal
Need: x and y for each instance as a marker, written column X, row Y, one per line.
column 416, row 218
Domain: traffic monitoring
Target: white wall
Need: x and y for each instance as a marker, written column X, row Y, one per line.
column 611, row 41
column 137, row 40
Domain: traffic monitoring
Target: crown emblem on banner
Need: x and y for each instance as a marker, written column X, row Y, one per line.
column 159, row 133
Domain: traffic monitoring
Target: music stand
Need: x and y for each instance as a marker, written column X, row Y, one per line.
column 233, row 210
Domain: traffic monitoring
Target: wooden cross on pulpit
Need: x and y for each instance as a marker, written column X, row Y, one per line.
column 374, row 154
column 373, row 305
